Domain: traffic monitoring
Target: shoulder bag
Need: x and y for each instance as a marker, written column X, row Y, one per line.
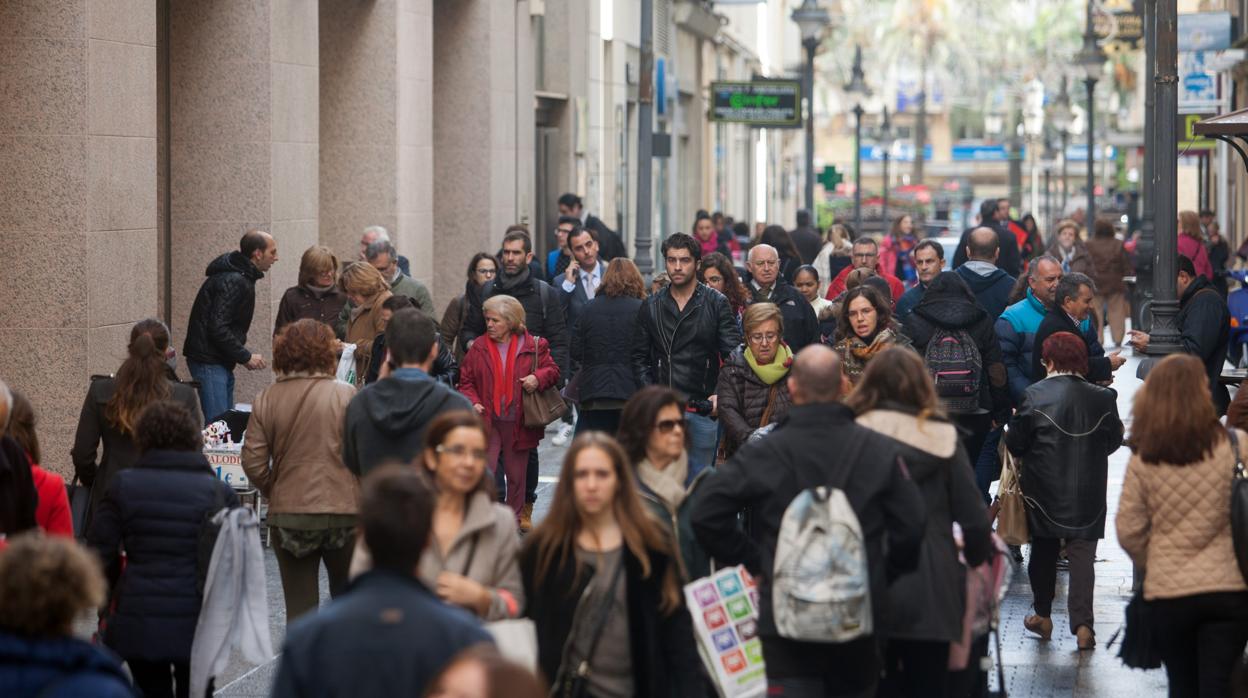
column 541, row 407
column 1011, row 508
column 1239, row 506
column 574, row 683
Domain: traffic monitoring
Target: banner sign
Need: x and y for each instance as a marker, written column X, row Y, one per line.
column 760, row 103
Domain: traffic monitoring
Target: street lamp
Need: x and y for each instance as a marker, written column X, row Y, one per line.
column 885, row 136
column 1091, row 60
column 811, row 21
column 858, row 88
column 1060, row 115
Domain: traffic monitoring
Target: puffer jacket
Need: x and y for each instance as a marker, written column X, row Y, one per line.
column 61, row 667
column 1016, row 330
column 1175, row 521
column 949, row 305
column 601, row 345
column 543, row 313
column 1109, row 264
column 155, row 511
column 743, row 398
column 301, row 302
column 216, row 332
column 293, row 449
column 928, row 603
column 683, row 350
column 1063, row 433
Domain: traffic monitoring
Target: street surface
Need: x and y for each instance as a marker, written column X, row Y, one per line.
column 1032, row 667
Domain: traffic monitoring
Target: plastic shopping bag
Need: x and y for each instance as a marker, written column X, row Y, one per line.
column 346, row 364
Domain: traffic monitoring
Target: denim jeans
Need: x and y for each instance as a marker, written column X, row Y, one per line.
column 703, row 441
column 216, row 388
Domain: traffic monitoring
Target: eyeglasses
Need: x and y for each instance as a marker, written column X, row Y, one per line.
column 477, row 455
column 486, row 271
column 665, row 426
column 759, row 338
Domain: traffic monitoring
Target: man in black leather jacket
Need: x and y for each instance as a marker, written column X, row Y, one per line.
column 216, row 332
column 681, row 336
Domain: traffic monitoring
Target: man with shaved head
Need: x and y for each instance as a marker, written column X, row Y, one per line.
column 818, row 444
column 990, row 284
column 801, row 325
column 995, row 215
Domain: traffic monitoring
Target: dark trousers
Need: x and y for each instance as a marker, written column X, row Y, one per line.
column 598, row 420
column 1042, row 572
column 988, row 463
column 915, row 669
column 1201, row 639
column 301, row 576
column 157, row 679
column 530, row 478
column 972, row 432
column 816, row 669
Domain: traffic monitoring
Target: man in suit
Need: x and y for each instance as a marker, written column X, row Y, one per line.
column 611, row 246
column 581, row 280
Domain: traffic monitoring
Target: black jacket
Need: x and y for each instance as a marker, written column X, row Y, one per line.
column 928, row 603
column 543, row 313
column 814, row 445
column 1063, row 433
column 216, row 332
column 445, row 368
column 1205, row 328
column 154, row 511
column 610, row 245
column 948, row 304
column 801, row 325
column 992, row 291
column 387, row 635
column 18, row 497
column 664, row 656
column 1056, row 320
column 386, row 421
column 601, row 345
column 683, row 350
column 1010, row 260
column 808, row 243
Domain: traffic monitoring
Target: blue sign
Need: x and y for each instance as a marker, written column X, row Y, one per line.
column 660, row 85
column 1079, row 151
column 1205, row 31
column 901, row 152
column 982, row 153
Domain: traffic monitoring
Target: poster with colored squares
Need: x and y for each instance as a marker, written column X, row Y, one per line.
column 724, row 607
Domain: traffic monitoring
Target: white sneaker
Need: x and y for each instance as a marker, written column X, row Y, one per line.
column 564, row 435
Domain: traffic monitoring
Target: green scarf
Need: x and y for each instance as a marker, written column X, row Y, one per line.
column 774, row 371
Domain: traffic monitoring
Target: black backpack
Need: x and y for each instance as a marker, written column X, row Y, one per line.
column 957, row 368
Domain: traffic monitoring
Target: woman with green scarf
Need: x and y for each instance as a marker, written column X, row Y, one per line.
column 752, row 390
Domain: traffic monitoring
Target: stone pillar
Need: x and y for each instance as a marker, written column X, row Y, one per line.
column 243, row 144
column 77, row 198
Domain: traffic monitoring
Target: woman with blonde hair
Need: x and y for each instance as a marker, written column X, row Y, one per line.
column 601, row 343
column 316, row 296
column 1174, row 520
column 112, row 408
column 494, row 375
column 1192, row 243
column 367, row 289
column 752, row 388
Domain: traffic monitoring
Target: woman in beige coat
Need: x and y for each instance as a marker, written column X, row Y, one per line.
column 367, row 289
column 292, row 453
column 1174, row 520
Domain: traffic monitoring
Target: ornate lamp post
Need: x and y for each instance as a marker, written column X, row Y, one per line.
column 1060, row 115
column 885, row 137
column 1091, row 60
column 858, row 88
column 811, row 21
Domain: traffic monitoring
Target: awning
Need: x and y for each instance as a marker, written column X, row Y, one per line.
column 1230, row 128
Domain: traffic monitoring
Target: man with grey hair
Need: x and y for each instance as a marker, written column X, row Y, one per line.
column 819, row 443
column 372, row 234
column 801, row 325
column 1072, row 305
column 381, row 255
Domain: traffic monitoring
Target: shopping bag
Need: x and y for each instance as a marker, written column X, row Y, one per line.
column 724, row 607
column 1012, row 513
column 516, row 639
column 346, row 364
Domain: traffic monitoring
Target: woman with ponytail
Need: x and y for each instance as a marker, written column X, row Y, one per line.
column 112, row 408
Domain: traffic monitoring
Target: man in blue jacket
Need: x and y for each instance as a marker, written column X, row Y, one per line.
column 990, row 284
column 389, row 634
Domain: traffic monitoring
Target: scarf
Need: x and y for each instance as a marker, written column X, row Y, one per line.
column 774, row 371
column 504, row 376
column 864, row 352
column 320, row 291
column 669, row 483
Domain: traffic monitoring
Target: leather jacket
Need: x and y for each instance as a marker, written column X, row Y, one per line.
column 684, row 349
column 216, row 332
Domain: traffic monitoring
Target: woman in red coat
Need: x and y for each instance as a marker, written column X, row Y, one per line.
column 498, row 366
column 52, row 512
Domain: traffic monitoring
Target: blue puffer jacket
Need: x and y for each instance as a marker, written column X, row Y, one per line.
column 1016, row 330
column 63, row 667
column 155, row 510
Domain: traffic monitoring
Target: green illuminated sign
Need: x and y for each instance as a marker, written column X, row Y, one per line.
column 762, row 103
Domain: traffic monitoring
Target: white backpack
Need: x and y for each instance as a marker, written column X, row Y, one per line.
column 821, row 585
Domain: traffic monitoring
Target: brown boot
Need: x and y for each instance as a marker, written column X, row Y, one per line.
column 1039, row 625
column 526, row 517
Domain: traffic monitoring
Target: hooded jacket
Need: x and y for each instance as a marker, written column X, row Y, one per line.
column 928, row 603
column 992, row 292
column 1010, row 259
column 216, row 332
column 949, row 305
column 1204, row 331
column 62, row 667
column 543, row 312
column 386, row 421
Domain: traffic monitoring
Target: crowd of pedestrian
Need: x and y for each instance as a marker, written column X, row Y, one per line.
column 879, row 388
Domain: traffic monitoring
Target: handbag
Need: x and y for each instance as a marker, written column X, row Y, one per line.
column 516, row 639
column 541, row 407
column 1239, row 507
column 1012, row 511
column 1139, row 648
column 575, row 683
column 79, row 501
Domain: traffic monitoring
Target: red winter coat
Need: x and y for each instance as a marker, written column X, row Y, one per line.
column 837, row 287
column 476, row 381
column 52, row 513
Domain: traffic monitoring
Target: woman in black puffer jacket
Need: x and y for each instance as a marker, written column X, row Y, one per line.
column 155, row 510
column 752, row 388
column 601, row 346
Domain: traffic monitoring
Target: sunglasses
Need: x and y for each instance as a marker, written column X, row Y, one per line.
column 665, row 426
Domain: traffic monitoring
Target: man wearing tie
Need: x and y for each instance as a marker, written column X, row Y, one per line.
column 581, row 280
